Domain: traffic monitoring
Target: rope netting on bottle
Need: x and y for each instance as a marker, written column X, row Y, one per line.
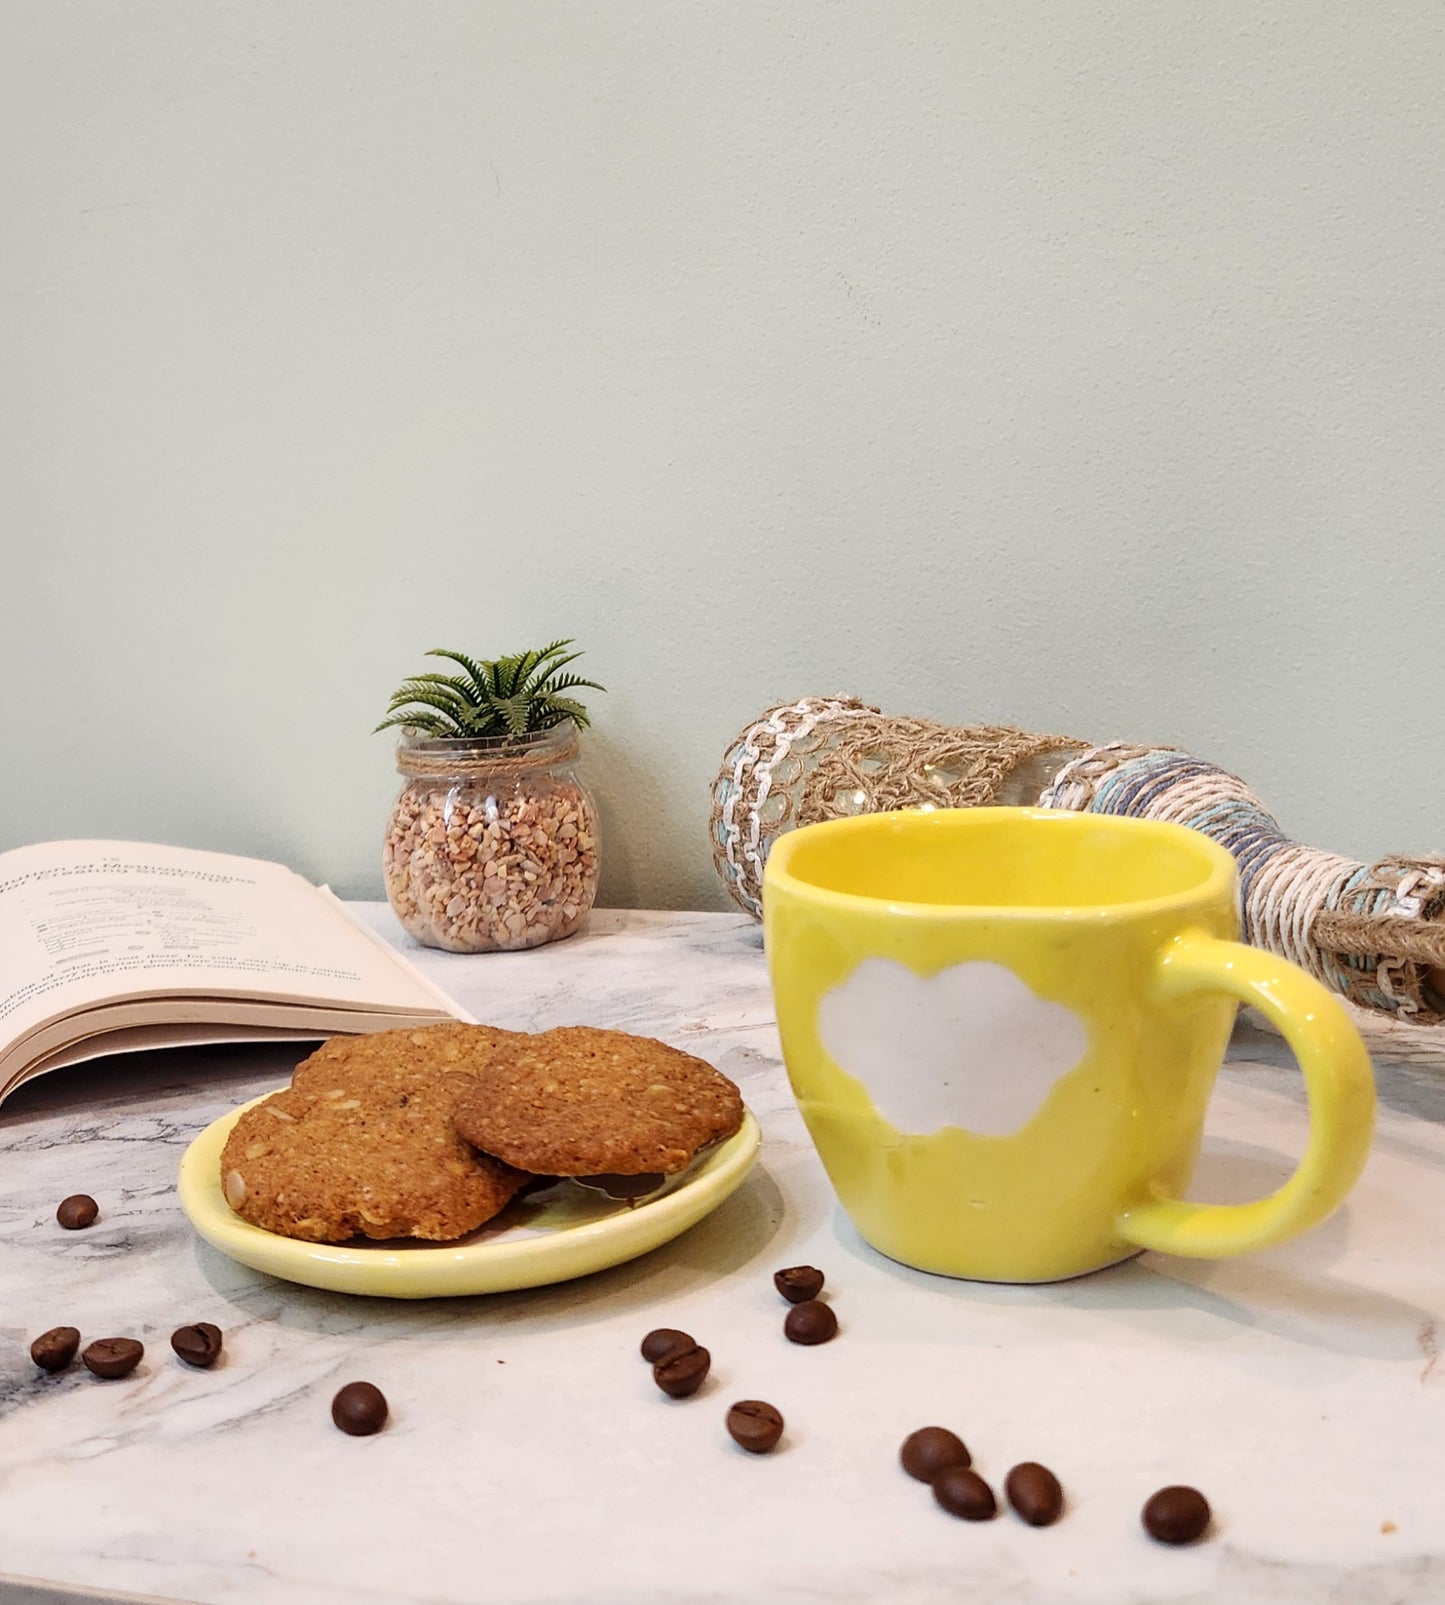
column 1373, row 932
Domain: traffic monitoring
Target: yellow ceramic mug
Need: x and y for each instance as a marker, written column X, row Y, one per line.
column 1002, row 1026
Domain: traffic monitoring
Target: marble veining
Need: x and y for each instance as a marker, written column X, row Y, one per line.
column 530, row 1458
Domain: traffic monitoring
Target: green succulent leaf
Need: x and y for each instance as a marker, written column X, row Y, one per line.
column 429, row 697
column 428, row 723
column 510, row 696
column 556, row 709
column 476, row 673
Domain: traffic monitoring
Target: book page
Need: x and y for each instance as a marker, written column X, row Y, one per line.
column 88, row 922
column 148, row 1038
column 179, row 1022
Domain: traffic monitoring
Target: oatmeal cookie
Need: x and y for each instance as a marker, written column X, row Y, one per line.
column 367, row 1150
column 425, row 1050
column 581, row 1101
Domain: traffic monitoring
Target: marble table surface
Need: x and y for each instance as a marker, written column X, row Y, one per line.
column 529, row 1457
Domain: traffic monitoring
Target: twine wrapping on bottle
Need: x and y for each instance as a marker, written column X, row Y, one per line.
column 1373, row 932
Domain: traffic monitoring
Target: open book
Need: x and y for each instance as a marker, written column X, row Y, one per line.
column 109, row 947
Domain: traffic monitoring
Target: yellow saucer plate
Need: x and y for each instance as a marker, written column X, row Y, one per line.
column 549, row 1236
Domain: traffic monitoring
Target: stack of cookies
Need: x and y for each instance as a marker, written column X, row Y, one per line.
column 430, row 1133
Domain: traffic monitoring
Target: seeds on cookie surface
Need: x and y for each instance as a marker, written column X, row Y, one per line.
column 420, row 1133
column 368, row 1146
column 582, row 1101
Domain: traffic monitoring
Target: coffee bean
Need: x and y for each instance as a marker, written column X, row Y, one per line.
column 930, row 1450
column 798, row 1282
column 681, row 1372
column 665, row 1340
column 964, row 1493
column 80, row 1209
column 1033, row 1490
column 754, row 1425
column 810, row 1322
column 1176, row 1515
column 55, row 1349
column 112, row 1357
column 359, row 1409
column 198, row 1345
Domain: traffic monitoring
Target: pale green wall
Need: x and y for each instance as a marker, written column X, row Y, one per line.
column 1070, row 365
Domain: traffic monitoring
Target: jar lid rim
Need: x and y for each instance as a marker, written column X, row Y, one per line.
column 421, row 754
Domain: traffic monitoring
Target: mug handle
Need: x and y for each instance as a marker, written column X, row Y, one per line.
column 1338, row 1080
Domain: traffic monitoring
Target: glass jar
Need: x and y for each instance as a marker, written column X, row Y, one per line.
column 492, row 844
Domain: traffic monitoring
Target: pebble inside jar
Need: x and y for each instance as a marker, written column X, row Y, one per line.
column 492, row 844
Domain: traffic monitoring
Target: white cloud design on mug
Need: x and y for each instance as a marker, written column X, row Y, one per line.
column 971, row 1046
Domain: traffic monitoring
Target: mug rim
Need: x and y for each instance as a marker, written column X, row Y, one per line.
column 1222, row 877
